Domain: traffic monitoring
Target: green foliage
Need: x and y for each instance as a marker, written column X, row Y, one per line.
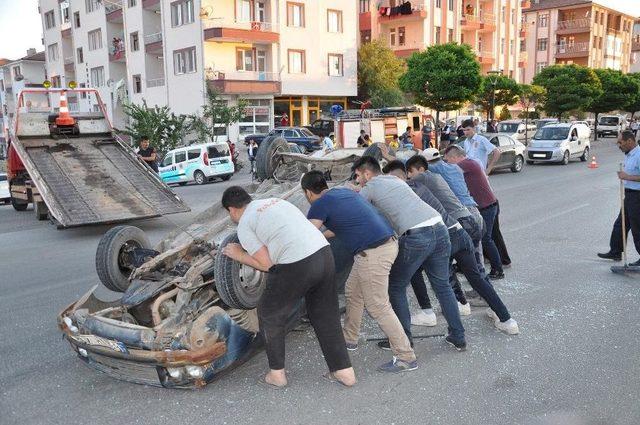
column 387, row 97
column 164, row 129
column 578, row 114
column 498, row 90
column 633, row 105
column 505, row 114
column 531, row 96
column 378, row 70
column 569, row 87
column 529, row 115
column 443, row 78
column 618, row 92
column 216, row 115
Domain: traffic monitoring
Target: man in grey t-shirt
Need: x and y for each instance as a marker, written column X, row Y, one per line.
column 423, row 241
column 277, row 238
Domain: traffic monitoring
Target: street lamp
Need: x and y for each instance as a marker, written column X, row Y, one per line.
column 493, row 79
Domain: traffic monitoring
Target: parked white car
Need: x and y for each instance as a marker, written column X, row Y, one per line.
column 5, row 195
column 559, row 143
column 517, row 129
column 197, row 163
column 610, row 125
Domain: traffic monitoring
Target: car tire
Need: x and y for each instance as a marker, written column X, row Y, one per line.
column 19, row 204
column 529, row 162
column 565, row 158
column 226, row 177
column 239, row 286
column 110, row 262
column 41, row 210
column 517, row 165
column 585, row 155
column 266, row 158
column 199, row 177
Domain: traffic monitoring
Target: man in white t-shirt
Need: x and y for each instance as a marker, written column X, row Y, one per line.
column 275, row 237
column 479, row 148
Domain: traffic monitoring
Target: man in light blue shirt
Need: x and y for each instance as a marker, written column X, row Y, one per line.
column 452, row 174
column 327, row 142
column 479, row 147
column 630, row 177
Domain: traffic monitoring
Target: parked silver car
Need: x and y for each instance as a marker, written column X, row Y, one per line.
column 559, row 143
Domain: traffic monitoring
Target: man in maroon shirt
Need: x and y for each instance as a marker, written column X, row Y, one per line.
column 479, row 188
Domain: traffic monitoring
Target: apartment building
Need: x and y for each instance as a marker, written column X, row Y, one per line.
column 576, row 31
column 635, row 48
column 26, row 72
column 490, row 27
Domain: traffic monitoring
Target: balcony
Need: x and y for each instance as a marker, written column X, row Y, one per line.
column 153, row 43
column 574, row 26
column 485, row 56
column 68, row 64
column 418, row 12
column 635, row 46
column 522, row 59
column 525, row 4
column 65, row 29
column 155, row 82
column 247, row 82
column 575, row 50
column 117, row 56
column 470, row 22
column 151, row 5
column 364, row 20
column 113, row 11
column 232, row 31
column 487, row 22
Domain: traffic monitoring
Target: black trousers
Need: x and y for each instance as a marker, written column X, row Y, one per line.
column 499, row 240
column 632, row 222
column 312, row 278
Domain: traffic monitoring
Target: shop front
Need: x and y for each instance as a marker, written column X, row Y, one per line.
column 303, row 110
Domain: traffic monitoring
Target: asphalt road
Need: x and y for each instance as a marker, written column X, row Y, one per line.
column 575, row 362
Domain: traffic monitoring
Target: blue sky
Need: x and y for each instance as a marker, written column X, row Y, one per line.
column 20, row 26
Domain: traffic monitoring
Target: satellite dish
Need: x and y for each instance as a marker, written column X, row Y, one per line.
column 109, row 82
column 19, row 77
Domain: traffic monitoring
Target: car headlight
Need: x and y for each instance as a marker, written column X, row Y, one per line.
column 195, row 371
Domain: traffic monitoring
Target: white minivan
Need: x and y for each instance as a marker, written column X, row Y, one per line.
column 610, row 124
column 559, row 143
column 197, row 163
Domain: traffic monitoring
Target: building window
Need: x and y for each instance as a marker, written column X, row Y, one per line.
column 503, row 12
column 80, row 55
column 450, row 35
column 523, row 45
column 257, row 116
column 295, row 14
column 49, row 19
column 131, row 3
column 392, row 36
column 437, row 34
column 401, row 36
column 511, row 46
column 513, row 16
column 97, row 76
column 55, row 81
column 64, row 12
column 451, row 5
column 184, row 61
column 297, row 61
column 52, row 52
column 137, row 84
column 182, row 13
column 543, row 21
column 540, row 66
column 438, row 4
column 542, row 44
column 365, row 6
column 76, row 19
column 95, row 39
column 502, row 46
column 244, row 59
column 334, row 21
column 16, row 71
column 365, row 36
column 91, row 5
column 336, row 65
column 135, row 42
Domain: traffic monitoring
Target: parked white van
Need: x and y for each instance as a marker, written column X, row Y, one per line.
column 559, row 143
column 610, row 124
column 197, row 163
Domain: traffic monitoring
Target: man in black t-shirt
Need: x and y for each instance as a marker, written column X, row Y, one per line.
column 148, row 154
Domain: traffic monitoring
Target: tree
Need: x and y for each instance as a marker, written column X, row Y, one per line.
column 530, row 97
column 216, row 115
column 497, row 90
column 378, row 71
column 618, row 91
column 633, row 105
column 164, row 129
column 443, row 78
column 387, row 97
column 504, row 114
column 569, row 87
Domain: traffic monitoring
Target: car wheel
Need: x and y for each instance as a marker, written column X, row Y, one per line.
column 113, row 263
column 19, row 204
column 516, row 167
column 199, row 177
column 303, row 149
column 529, row 162
column 226, row 177
column 41, row 210
column 585, row 155
column 565, row 158
column 239, row 286
column 267, row 159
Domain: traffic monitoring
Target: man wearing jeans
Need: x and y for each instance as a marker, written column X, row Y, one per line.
column 423, row 241
column 368, row 235
column 275, row 237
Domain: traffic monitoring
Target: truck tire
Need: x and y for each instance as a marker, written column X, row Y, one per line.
column 41, row 210
column 111, row 256
column 19, row 204
column 266, row 158
column 374, row 151
column 238, row 286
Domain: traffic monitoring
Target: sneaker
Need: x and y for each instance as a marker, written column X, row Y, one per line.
column 510, row 327
column 506, row 265
column 492, row 315
column 610, row 256
column 458, row 345
column 352, row 346
column 397, row 366
column 635, row 264
column 495, row 275
column 464, row 309
column 424, row 317
column 385, row 345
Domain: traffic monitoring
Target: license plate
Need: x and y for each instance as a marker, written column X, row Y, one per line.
column 539, row 155
column 101, row 342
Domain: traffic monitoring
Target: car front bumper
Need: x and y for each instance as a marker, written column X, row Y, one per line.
column 544, row 154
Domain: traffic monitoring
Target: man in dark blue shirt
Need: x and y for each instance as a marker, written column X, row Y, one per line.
column 353, row 220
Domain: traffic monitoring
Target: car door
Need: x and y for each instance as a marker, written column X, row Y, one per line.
column 167, row 169
column 575, row 144
column 507, row 151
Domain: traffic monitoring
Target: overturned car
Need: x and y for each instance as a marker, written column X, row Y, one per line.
column 187, row 312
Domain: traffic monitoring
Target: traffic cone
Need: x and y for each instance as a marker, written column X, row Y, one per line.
column 64, row 118
column 593, row 163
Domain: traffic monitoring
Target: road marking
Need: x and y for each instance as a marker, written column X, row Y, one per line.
column 542, row 220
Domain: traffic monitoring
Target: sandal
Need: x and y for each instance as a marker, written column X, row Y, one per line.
column 269, row 385
column 329, row 376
